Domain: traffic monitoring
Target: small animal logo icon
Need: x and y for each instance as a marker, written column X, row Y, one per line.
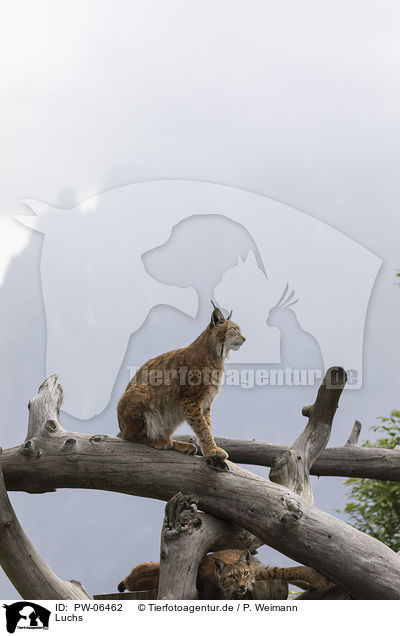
column 23, row 615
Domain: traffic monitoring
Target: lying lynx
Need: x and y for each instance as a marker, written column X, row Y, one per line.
column 177, row 386
column 226, row 574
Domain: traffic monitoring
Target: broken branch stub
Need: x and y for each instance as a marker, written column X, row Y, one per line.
column 291, row 468
column 355, row 434
column 298, row 529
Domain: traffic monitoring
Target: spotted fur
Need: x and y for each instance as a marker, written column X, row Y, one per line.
column 177, row 386
column 226, row 574
column 300, row 575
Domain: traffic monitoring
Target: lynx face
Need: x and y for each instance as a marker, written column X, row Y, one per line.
column 234, row 337
column 235, row 579
column 227, row 333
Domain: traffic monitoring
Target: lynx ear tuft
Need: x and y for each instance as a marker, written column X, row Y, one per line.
column 220, row 565
column 217, row 316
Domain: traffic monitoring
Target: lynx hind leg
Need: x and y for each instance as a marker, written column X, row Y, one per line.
column 169, row 444
column 131, row 411
column 132, row 417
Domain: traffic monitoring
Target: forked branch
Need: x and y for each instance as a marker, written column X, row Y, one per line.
column 27, row 571
column 278, row 516
column 291, row 468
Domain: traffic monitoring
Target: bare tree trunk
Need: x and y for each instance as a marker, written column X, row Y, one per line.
column 279, row 517
column 186, row 537
column 27, row 571
column 292, row 467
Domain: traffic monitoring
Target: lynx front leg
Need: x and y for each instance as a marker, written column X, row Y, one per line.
column 207, row 415
column 195, row 417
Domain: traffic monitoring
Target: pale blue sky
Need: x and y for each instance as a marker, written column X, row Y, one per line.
column 299, row 102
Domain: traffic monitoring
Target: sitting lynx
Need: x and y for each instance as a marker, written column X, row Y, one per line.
column 226, row 574
column 180, row 385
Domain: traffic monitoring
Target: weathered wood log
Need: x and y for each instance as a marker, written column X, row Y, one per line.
column 339, row 461
column 180, row 555
column 27, row 571
column 145, row 595
column 186, row 537
column 44, row 412
column 291, row 468
column 277, row 516
column 331, row 593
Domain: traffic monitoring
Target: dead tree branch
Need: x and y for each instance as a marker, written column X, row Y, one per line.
column 291, row 468
column 27, row 571
column 276, row 515
column 186, row 536
column 340, row 461
column 355, row 434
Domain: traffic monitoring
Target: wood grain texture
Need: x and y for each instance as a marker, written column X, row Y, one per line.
column 186, row 537
column 339, row 461
column 291, row 468
column 279, row 517
column 58, row 459
column 27, row 571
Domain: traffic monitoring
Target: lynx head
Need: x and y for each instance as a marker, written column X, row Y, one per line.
column 235, row 579
column 225, row 333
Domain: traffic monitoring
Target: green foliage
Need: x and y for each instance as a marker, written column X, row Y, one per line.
column 293, row 595
column 375, row 505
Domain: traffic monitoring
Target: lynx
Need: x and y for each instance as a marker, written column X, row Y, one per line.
column 226, row 574
column 177, row 386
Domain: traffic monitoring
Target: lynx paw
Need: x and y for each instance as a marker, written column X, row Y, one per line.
column 184, row 447
column 217, row 452
column 164, row 444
